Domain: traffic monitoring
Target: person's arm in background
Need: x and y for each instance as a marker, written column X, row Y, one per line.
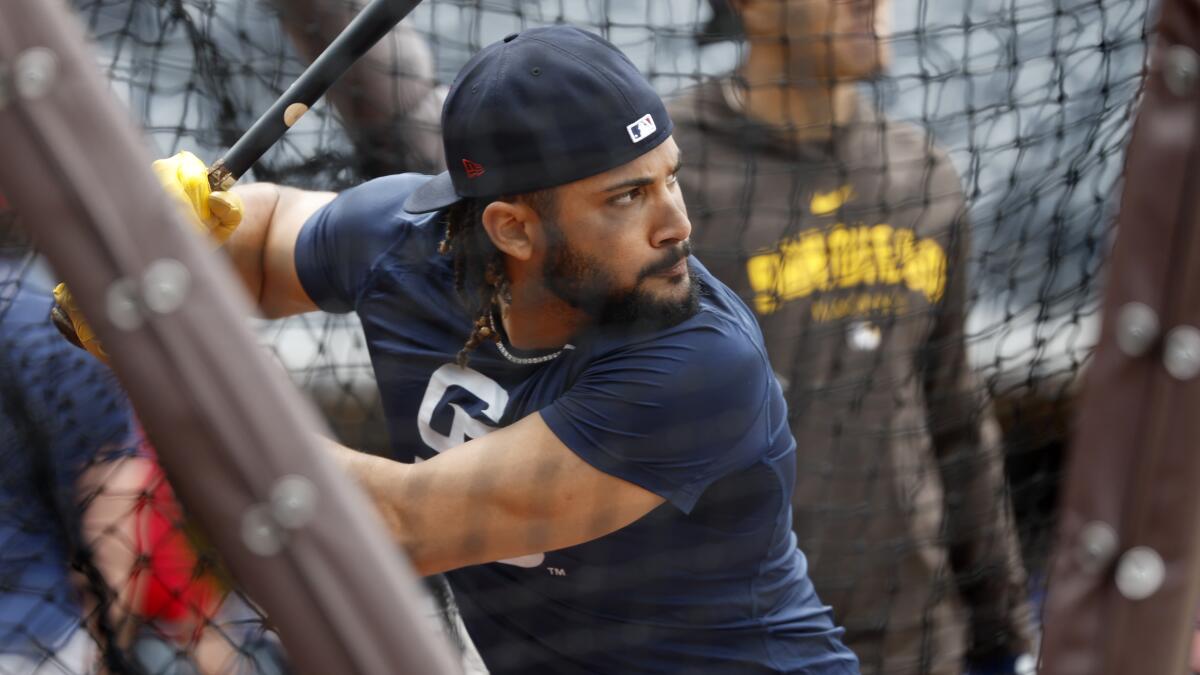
column 110, row 491
column 982, row 537
column 388, row 101
column 126, row 506
column 1194, row 656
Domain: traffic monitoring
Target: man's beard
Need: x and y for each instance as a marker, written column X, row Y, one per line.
column 583, row 283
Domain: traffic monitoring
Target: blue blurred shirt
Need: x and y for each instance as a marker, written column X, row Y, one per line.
column 61, row 412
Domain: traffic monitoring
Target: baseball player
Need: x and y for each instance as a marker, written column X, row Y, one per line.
column 603, row 464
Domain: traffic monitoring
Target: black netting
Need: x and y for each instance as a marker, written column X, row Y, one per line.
column 926, row 264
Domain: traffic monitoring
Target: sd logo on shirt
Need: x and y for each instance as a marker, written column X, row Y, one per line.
column 466, row 398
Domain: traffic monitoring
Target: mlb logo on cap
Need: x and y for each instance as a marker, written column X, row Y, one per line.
column 642, row 129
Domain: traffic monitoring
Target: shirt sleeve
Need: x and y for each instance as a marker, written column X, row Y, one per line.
column 338, row 246
column 673, row 415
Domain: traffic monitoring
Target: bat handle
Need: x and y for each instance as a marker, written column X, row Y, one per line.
column 220, row 178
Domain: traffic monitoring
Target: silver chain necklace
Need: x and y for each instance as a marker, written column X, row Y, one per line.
column 520, row 360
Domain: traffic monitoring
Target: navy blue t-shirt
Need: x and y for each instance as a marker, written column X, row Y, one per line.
column 711, row 581
column 62, row 412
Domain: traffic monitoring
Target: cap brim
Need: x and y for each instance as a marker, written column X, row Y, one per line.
column 434, row 194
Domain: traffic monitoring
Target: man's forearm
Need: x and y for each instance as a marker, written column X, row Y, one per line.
column 514, row 492
column 247, row 247
column 382, row 480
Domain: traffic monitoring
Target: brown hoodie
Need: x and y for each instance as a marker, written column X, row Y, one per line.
column 853, row 254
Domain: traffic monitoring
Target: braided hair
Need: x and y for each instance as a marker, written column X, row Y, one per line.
column 479, row 272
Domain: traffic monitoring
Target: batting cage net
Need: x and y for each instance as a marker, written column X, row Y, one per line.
column 913, row 198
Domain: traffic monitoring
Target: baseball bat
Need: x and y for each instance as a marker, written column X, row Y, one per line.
column 368, row 28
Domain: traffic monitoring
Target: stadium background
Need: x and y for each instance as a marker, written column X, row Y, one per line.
column 1032, row 101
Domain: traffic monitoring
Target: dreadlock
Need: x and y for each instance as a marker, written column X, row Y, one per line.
column 479, row 274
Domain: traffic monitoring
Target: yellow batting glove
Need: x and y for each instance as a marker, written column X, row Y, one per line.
column 215, row 214
column 185, row 178
column 70, row 322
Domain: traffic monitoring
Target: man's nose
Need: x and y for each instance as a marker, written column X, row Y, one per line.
column 673, row 224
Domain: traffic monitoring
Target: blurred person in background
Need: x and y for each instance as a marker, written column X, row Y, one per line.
column 92, row 546
column 847, row 234
column 69, row 483
column 380, row 117
column 388, row 102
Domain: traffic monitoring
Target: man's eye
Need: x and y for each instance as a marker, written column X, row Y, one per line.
column 627, row 197
column 673, row 179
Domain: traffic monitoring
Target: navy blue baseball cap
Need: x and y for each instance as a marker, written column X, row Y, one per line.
column 541, row 108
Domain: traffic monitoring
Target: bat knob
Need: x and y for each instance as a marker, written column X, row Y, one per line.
column 220, row 178
column 62, row 321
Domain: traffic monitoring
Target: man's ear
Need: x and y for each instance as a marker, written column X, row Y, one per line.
column 510, row 225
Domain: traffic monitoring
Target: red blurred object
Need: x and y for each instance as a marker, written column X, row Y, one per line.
column 173, row 588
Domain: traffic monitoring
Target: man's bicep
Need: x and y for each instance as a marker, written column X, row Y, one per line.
column 282, row 292
column 517, row 491
column 262, row 249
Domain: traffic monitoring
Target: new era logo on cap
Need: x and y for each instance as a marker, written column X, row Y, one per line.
column 474, row 169
column 642, row 129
